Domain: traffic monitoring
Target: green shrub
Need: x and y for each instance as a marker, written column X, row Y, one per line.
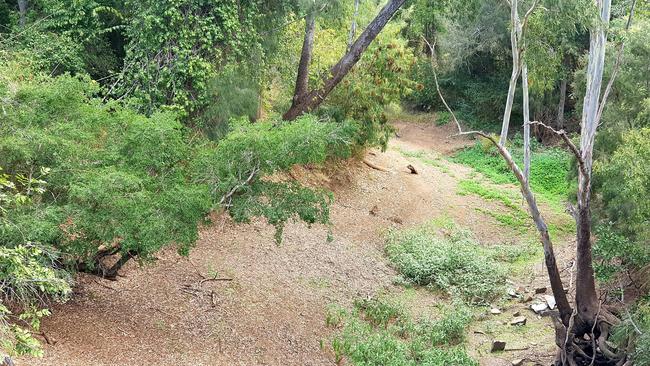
column 121, row 182
column 623, row 184
column 452, row 264
column 633, row 333
column 379, row 332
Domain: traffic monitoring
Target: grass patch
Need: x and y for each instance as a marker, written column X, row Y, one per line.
column 548, row 172
column 469, row 186
column 380, row 332
column 455, row 263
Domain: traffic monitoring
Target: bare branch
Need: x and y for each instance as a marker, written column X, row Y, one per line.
column 435, row 78
column 567, row 140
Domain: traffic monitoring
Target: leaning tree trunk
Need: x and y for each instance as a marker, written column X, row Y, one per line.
column 302, row 79
column 315, row 97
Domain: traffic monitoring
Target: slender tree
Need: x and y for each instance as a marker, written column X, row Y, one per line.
column 353, row 25
column 312, row 99
column 22, row 12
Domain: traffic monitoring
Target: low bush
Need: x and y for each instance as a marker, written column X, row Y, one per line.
column 453, row 264
column 379, row 332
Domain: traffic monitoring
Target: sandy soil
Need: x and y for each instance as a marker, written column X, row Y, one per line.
column 271, row 311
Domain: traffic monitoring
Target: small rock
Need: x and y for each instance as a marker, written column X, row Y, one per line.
column 538, row 308
column 519, row 320
column 521, row 289
column 512, row 292
column 495, row 311
column 498, row 346
column 527, row 298
column 550, row 300
column 516, row 313
column 540, row 290
column 517, row 362
column 374, row 210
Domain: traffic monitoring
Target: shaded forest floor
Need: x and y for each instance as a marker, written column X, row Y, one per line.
column 271, row 309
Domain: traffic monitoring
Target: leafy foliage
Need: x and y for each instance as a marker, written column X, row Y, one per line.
column 28, row 276
column 446, row 263
column 623, row 183
column 379, row 332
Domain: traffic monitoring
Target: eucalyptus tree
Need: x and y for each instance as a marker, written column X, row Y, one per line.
column 582, row 329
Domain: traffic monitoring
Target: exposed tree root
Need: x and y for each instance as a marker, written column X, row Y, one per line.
column 585, row 343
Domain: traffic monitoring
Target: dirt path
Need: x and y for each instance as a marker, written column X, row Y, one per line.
column 272, row 311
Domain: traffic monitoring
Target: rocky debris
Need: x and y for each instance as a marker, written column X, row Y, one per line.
column 518, row 320
column 495, row 311
column 539, row 308
column 517, row 362
column 498, row 346
column 540, row 290
column 527, row 298
column 550, row 300
column 512, row 292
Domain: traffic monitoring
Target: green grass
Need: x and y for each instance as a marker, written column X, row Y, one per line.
column 378, row 331
column 548, row 173
column 454, row 263
column 470, row 186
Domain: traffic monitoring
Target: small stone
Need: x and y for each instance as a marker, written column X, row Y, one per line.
column 540, row 290
column 550, row 300
column 374, row 210
column 512, row 292
column 519, row 320
column 521, row 289
column 495, row 311
column 498, row 346
column 527, row 298
column 517, row 362
column 538, row 308
column 516, row 313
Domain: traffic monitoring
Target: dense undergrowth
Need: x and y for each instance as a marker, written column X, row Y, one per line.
column 379, row 331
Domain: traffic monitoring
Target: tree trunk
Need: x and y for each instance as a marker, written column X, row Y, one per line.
column 549, row 256
column 514, row 18
column 353, row 26
column 560, row 105
column 302, row 79
column 524, row 87
column 22, row 11
column 586, row 296
column 314, row 98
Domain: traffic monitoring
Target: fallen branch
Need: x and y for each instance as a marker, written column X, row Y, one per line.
column 374, row 166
